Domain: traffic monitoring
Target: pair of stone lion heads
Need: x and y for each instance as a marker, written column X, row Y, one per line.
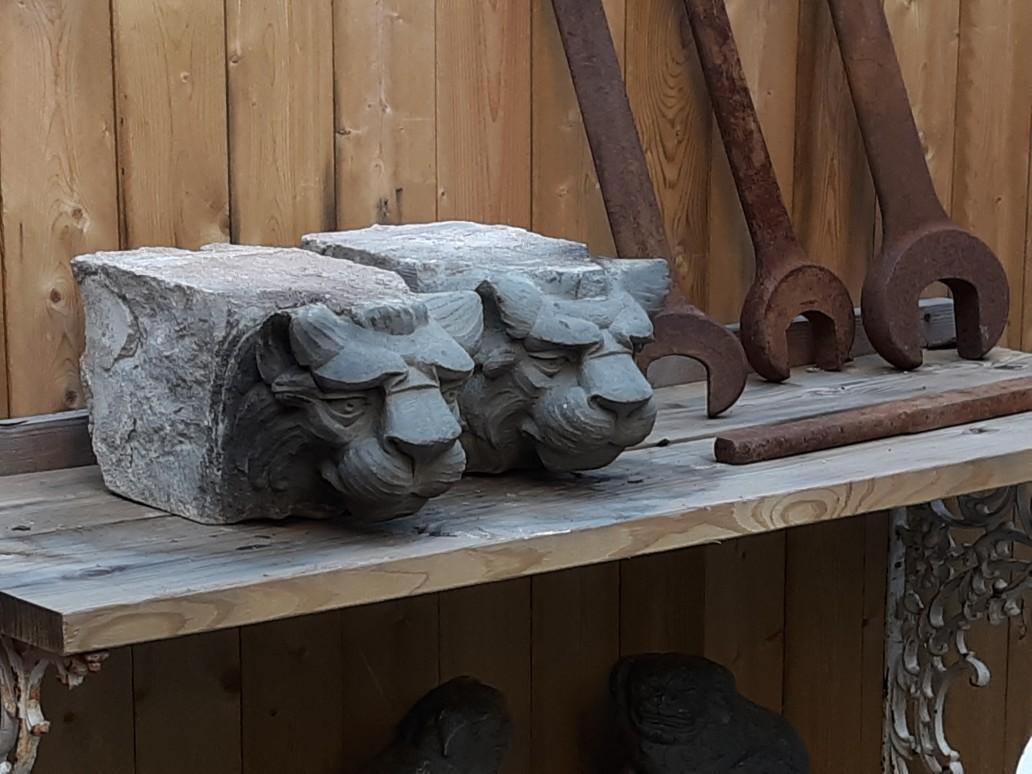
column 373, row 412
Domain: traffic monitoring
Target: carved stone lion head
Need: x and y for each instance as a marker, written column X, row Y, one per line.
column 556, row 383
column 357, row 413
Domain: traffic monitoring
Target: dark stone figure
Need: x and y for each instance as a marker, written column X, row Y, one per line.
column 460, row 727
column 682, row 715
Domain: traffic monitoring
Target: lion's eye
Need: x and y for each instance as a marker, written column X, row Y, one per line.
column 549, row 362
column 350, row 408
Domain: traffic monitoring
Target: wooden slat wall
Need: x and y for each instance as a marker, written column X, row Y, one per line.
column 182, row 122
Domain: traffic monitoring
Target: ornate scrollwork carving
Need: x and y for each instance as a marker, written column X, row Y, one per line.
column 22, row 723
column 947, row 581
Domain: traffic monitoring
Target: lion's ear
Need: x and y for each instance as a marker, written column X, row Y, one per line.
column 646, row 280
column 272, row 352
column 460, row 313
column 516, row 301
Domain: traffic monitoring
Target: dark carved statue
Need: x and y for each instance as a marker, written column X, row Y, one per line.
column 461, row 727
column 681, row 714
column 356, row 413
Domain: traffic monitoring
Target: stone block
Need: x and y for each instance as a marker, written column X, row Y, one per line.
column 238, row 382
column 555, row 383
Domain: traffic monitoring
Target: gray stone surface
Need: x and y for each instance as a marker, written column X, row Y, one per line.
column 555, row 383
column 246, row 382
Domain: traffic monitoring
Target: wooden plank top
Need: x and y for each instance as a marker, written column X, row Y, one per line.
column 82, row 569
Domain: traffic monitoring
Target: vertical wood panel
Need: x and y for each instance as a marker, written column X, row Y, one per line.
column 59, row 188
column 390, row 659
column 748, row 574
column 483, row 111
column 485, row 633
column 576, row 641
column 170, row 78
column 567, row 200
column 384, row 80
column 833, row 199
column 668, row 96
column 280, row 119
column 662, row 602
column 994, row 100
column 824, row 605
column 187, row 700
column 91, row 728
column 872, row 632
column 765, row 31
column 292, row 688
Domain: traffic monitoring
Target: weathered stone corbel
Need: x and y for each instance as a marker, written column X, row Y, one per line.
column 952, row 565
column 22, row 723
column 237, row 383
column 555, row 382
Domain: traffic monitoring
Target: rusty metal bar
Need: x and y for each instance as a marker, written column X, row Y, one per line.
column 884, row 420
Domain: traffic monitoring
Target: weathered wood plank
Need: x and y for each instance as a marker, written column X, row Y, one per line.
column 384, row 80
column 59, row 188
column 292, row 681
column 390, row 660
column 113, row 584
column 170, row 79
column 188, row 686
column 280, row 119
column 45, row 442
column 93, row 723
column 483, row 111
column 994, row 110
column 672, row 111
column 576, row 641
column 486, row 633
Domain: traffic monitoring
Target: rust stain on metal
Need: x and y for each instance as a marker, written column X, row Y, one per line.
column 920, row 243
column 884, row 420
column 631, row 205
column 787, row 284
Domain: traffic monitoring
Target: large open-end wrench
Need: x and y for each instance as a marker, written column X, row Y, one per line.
column 920, row 244
column 786, row 284
column 631, row 204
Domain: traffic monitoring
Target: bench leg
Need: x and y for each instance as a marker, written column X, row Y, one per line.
column 22, row 724
column 953, row 563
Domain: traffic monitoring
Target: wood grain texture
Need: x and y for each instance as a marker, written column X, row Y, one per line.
column 662, row 603
column 671, row 108
column 170, row 79
column 567, row 199
column 91, row 728
column 576, row 642
column 59, row 189
column 45, row 442
column 994, row 109
column 386, row 167
column 872, row 633
column 390, row 660
column 765, row 32
column 188, row 686
column 280, row 65
column 486, row 633
column 483, row 111
column 106, row 584
column 292, row 684
column 833, row 196
column 748, row 574
column 823, row 642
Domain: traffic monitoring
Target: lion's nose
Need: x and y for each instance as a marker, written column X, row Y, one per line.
column 615, row 384
column 420, row 424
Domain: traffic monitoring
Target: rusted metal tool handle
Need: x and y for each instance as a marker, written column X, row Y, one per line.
column 901, row 178
column 634, row 215
column 885, row 420
column 766, row 216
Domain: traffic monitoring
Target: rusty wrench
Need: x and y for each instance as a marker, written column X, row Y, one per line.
column 920, row 244
column 787, row 284
column 631, row 204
